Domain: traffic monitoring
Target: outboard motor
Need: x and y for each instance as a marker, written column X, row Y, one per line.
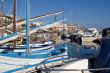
column 79, row 40
column 103, row 60
column 76, row 39
column 72, row 38
column 63, row 36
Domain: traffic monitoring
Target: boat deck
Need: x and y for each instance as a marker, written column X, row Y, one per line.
column 77, row 66
column 11, row 65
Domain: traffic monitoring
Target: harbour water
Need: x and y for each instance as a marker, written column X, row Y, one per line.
column 87, row 48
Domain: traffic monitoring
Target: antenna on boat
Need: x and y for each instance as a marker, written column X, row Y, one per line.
column 27, row 29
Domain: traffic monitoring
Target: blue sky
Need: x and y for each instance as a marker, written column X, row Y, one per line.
column 88, row 13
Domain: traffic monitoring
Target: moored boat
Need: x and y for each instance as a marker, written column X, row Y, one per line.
column 33, row 47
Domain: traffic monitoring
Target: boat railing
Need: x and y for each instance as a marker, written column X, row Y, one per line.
column 50, row 70
column 55, row 61
column 52, row 62
column 5, row 37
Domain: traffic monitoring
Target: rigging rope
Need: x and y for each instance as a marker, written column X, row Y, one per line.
column 10, row 7
column 22, row 9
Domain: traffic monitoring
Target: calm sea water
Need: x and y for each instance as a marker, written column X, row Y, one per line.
column 86, row 50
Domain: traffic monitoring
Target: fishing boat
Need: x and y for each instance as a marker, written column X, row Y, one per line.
column 23, row 58
column 33, row 47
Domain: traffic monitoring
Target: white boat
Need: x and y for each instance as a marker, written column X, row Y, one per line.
column 33, row 47
column 25, row 57
column 90, row 35
column 65, row 65
column 20, row 62
column 89, row 32
column 74, row 67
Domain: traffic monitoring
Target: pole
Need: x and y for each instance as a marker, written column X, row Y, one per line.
column 2, row 14
column 27, row 28
column 14, row 22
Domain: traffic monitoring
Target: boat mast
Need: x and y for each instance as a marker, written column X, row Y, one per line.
column 27, row 28
column 14, row 22
column 2, row 14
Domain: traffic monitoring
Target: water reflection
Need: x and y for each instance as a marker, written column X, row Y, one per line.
column 74, row 50
column 82, row 51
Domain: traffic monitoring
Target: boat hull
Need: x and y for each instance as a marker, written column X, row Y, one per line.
column 33, row 47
